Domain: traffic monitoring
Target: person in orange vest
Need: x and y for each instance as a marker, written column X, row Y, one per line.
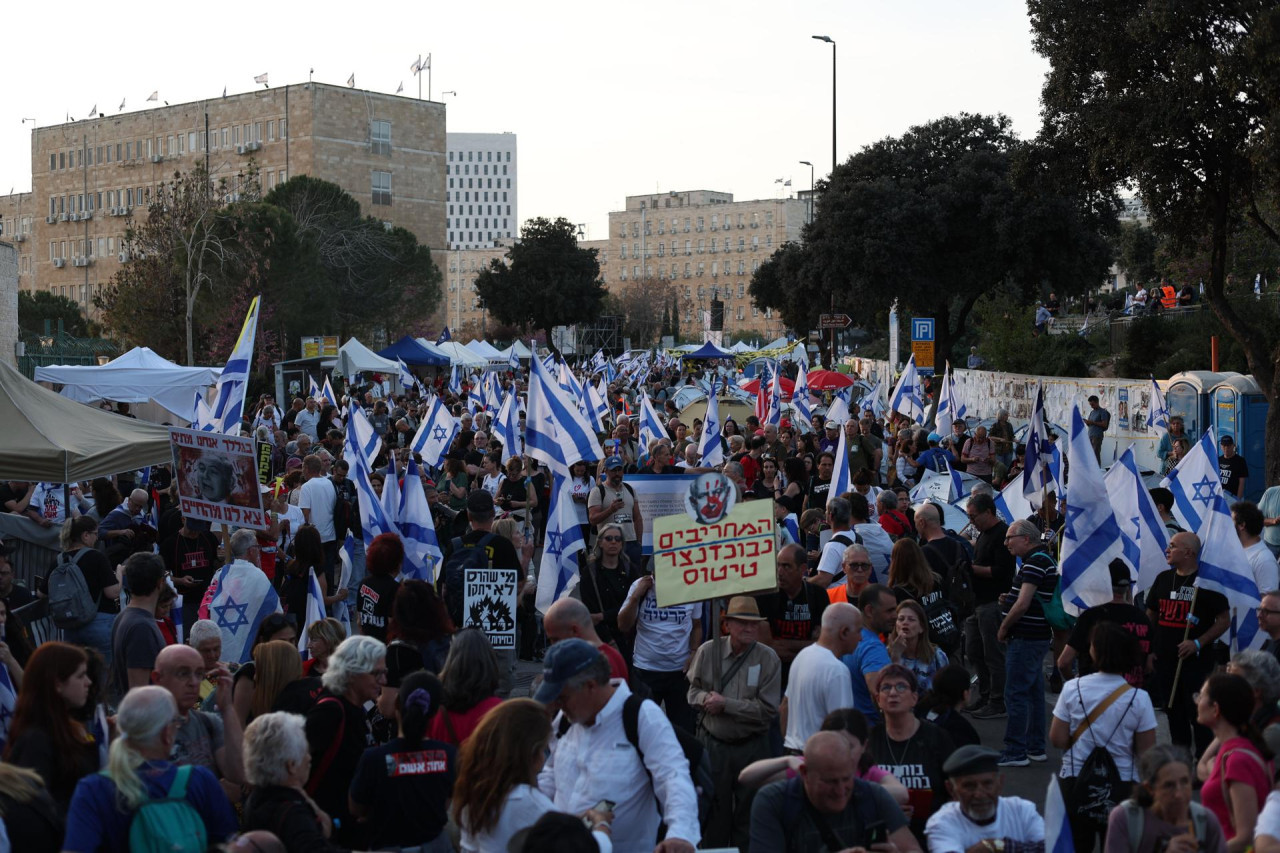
column 1168, row 296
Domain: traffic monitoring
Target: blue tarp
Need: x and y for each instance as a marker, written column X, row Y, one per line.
column 413, row 354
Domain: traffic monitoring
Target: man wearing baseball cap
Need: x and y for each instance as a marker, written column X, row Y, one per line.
column 593, row 758
column 615, row 502
column 737, row 682
column 1121, row 610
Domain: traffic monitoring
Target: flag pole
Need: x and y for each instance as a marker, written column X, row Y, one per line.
column 1186, row 634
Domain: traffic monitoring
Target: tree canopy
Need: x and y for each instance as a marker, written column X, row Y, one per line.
column 934, row 219
column 547, row 280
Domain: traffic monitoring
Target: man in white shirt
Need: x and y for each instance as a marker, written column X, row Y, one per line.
column 819, row 683
column 308, row 420
column 1249, row 522
column 666, row 638
column 829, row 570
column 978, row 817
column 594, row 759
column 317, row 498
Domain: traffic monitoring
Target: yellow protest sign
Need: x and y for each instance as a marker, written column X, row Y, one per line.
column 734, row 556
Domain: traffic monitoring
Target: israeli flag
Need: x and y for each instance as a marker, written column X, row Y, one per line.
column 1036, row 476
column 327, row 392
column 908, row 395
column 391, row 491
column 597, row 360
column 775, row 400
column 228, row 406
column 651, row 428
column 841, row 481
column 422, row 552
column 506, row 427
column 361, row 438
column 950, row 406
column 435, row 434
column 873, row 399
column 313, row 388
column 838, row 411
column 1201, row 507
column 556, row 433
column 1158, row 410
column 315, row 612
column 513, row 360
column 597, row 408
column 801, row 417
column 373, row 519
column 444, row 336
column 346, row 556
column 203, row 419
column 8, row 704
column 492, row 395
column 475, row 397
column 242, row 597
column 1011, row 503
column 710, row 449
column 1057, row 827
column 455, row 380
column 1091, row 538
column 407, row 379
column 956, row 489
column 1145, row 536
column 558, row 571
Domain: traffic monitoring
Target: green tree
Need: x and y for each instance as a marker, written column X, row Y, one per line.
column 547, row 280
column 1136, row 247
column 34, row 308
column 934, row 219
column 1181, row 99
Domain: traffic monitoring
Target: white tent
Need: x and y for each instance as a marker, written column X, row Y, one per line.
column 138, row 376
column 522, row 352
column 486, row 350
column 741, row 346
column 460, row 355
column 354, row 357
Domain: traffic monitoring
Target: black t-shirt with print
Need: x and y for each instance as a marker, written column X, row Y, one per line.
column 1170, row 597
column 1129, row 617
column 796, row 618
column 1230, row 471
column 917, row 764
column 374, row 604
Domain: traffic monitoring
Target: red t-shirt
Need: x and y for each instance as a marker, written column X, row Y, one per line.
column 617, row 666
column 461, row 725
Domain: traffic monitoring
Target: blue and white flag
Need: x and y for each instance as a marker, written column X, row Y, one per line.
column 326, row 391
column 838, row 412
column 444, row 336
column 1091, row 537
column 597, row 360
column 1201, row 507
column 391, row 492
column 1011, row 503
column 710, row 450
column 775, row 399
column 455, row 380
column 422, row 554
column 596, row 407
column 841, row 480
column 361, row 437
column 651, row 428
column 1057, row 826
column 513, row 360
column 956, row 489
column 492, row 395
column 233, row 383
column 202, row 415
column 908, row 395
column 313, row 388
column 1037, row 476
column 950, row 406
column 315, row 612
column 242, row 598
column 556, row 433
column 1145, row 536
column 558, row 571
column 1158, row 410
column 407, row 379
column 601, row 400
column 475, row 396
column 801, row 417
column 8, row 704
column 874, row 400
column 373, row 520
column 506, row 427
column 436, row 434
column 346, row 559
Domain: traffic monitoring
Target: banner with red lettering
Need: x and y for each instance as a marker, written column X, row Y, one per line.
column 695, row 561
column 217, row 477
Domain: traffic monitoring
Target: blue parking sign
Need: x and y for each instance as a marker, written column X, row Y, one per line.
column 921, row 328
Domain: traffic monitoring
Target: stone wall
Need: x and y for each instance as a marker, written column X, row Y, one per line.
column 8, row 302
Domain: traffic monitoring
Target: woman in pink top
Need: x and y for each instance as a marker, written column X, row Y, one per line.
column 1236, row 768
column 470, row 677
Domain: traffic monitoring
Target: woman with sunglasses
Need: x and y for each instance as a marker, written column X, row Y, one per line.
column 910, row 748
column 606, row 579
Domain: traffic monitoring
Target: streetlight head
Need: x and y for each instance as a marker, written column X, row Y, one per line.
column 806, row 163
column 827, row 39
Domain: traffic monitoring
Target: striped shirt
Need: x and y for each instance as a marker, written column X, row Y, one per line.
column 1040, row 569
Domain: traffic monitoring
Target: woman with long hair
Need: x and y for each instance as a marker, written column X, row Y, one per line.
column 308, row 554
column 79, row 546
column 496, row 794
column 1236, row 768
column 1163, row 807
column 457, row 481
column 606, row 578
column 15, row 648
column 403, row 810
column 912, row 580
column 323, row 636
column 796, row 489
column 943, row 705
column 31, row 820
column 383, row 562
column 138, row 770
column 1126, row 727
column 909, row 644
column 105, row 498
column 277, row 664
column 471, row 678
column 274, row 627
column 581, row 484
column 43, row 734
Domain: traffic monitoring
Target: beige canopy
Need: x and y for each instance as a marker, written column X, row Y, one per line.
column 49, row 438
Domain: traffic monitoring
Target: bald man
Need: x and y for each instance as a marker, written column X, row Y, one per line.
column 819, row 682
column 1168, row 603
column 117, row 524
column 214, row 741
column 833, row 803
column 569, row 619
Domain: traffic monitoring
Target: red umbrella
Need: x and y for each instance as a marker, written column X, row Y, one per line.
column 753, row 387
column 826, row 380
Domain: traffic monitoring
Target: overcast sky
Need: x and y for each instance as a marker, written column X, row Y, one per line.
column 607, row 100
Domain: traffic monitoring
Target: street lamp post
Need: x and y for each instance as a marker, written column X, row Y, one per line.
column 810, row 165
column 829, row 40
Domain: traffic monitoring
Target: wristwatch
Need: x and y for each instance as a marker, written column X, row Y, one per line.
column 995, row 845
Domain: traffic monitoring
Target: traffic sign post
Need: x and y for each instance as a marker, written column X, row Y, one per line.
column 922, row 344
column 834, row 321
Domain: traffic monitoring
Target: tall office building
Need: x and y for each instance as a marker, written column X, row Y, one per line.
column 481, row 193
column 91, row 179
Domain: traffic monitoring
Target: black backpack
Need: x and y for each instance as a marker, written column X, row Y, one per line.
column 1097, row 788
column 462, row 557
column 957, row 584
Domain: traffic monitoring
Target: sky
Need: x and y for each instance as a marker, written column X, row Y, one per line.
column 607, row 100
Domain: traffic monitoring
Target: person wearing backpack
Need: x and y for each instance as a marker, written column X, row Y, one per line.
column 1102, row 723
column 479, row 548
column 144, row 802
column 83, row 590
column 1161, row 814
column 617, row 748
column 1026, row 630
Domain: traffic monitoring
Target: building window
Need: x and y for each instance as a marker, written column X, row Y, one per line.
column 192, row 144
column 381, row 187
column 380, row 136
column 271, row 131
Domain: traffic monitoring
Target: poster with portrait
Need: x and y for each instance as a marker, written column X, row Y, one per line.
column 217, row 477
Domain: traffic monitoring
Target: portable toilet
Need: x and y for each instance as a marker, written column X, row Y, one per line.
column 1240, row 411
column 1187, row 396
